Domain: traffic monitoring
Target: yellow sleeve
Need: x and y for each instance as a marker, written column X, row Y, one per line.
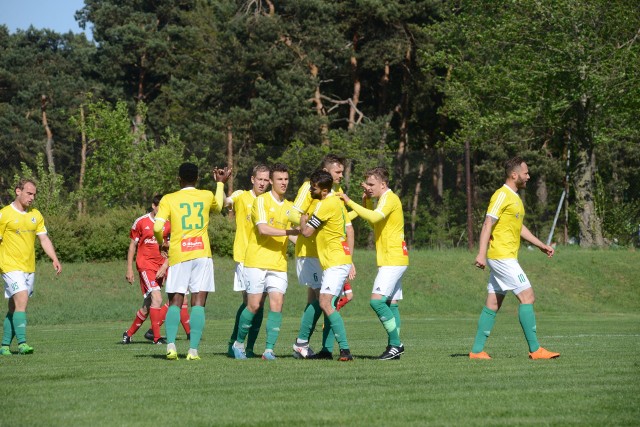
column 294, row 216
column 218, row 201
column 364, row 213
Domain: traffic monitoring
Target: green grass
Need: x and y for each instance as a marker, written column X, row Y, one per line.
column 587, row 308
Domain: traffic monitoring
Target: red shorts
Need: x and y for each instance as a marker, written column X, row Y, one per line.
column 148, row 282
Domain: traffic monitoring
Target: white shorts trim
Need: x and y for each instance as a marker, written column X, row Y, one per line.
column 259, row 280
column 506, row 275
column 238, row 278
column 389, row 281
column 333, row 279
column 309, row 272
column 18, row 281
column 191, row 276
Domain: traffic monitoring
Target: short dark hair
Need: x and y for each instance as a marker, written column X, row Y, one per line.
column 330, row 159
column 322, row 179
column 156, row 199
column 381, row 174
column 278, row 167
column 188, row 172
column 24, row 181
column 512, row 164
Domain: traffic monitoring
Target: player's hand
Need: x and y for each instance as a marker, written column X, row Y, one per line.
column 344, row 197
column 162, row 271
column 547, row 250
column 221, row 174
column 352, row 272
column 129, row 276
column 57, row 266
column 481, row 262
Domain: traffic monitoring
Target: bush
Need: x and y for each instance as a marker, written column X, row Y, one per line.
column 105, row 237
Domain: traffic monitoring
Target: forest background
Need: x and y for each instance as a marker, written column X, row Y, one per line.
column 440, row 92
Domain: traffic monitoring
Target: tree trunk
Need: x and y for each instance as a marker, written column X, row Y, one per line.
column 414, row 204
column 437, row 178
column 230, row 156
column 355, row 97
column 49, row 143
column 584, row 183
column 402, row 155
column 467, row 169
column 83, row 163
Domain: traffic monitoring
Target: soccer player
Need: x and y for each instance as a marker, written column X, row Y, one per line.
column 265, row 263
column 308, row 266
column 242, row 201
column 391, row 253
column 501, row 232
column 334, row 240
column 190, row 263
column 19, row 226
column 152, row 267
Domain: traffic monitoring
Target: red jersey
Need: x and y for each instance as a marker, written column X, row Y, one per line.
column 148, row 255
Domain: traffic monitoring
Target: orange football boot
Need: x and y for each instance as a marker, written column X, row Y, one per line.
column 481, row 355
column 542, row 353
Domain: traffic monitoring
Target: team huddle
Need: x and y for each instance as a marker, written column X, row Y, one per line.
column 172, row 251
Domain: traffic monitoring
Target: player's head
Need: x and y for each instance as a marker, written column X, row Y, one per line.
column 321, row 182
column 279, row 177
column 516, row 171
column 155, row 202
column 260, row 178
column 376, row 181
column 333, row 164
column 25, row 192
column 188, row 173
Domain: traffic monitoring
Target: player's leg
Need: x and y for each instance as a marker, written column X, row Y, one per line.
column 485, row 324
column 309, row 275
column 276, row 287
column 143, row 312
column 185, row 318
column 201, row 283
column 155, row 314
column 527, row 318
column 19, row 320
column 8, row 330
column 238, row 286
column 332, row 280
column 387, row 287
column 255, row 279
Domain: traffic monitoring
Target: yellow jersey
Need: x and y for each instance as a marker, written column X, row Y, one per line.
column 304, row 203
column 331, row 234
column 18, row 232
column 188, row 211
column 268, row 252
column 242, row 203
column 388, row 228
column 507, row 208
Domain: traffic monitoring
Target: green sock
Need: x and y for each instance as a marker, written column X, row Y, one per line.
column 20, row 326
column 234, row 333
column 387, row 319
column 485, row 324
column 9, row 332
column 309, row 318
column 246, row 318
column 528, row 322
column 196, row 320
column 337, row 324
column 274, row 321
column 327, row 335
column 396, row 314
column 171, row 323
column 254, row 330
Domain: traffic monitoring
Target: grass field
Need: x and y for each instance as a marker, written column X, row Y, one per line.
column 588, row 308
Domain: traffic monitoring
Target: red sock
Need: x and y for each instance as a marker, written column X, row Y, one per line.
column 137, row 322
column 184, row 318
column 156, row 319
column 163, row 313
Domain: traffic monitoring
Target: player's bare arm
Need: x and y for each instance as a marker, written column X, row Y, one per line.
column 485, row 235
column 48, row 248
column 529, row 237
column 130, row 256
